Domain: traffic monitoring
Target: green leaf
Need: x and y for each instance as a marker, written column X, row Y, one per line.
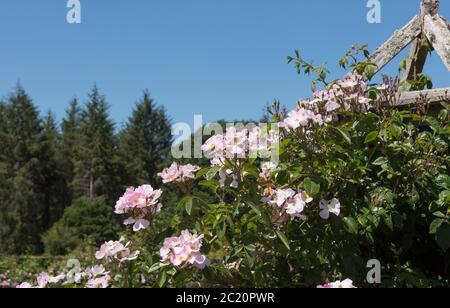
column 345, row 135
column 434, row 226
column 311, row 187
column 212, row 172
column 156, row 267
column 389, row 223
column 201, row 173
column 188, row 206
column 186, row 202
column 443, row 237
column 439, row 214
column 250, row 260
column 371, row 137
column 284, row 239
column 162, row 279
column 380, row 161
column 255, row 208
column 211, row 184
column 351, row 224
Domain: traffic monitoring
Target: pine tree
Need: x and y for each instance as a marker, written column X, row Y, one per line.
column 4, row 175
column 23, row 208
column 95, row 171
column 70, row 143
column 33, row 195
column 145, row 143
column 53, row 183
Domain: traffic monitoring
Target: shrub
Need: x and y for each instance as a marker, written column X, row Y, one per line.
column 355, row 182
column 60, row 239
column 83, row 220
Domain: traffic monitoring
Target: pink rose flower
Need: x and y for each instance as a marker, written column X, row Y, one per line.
column 184, row 251
column 116, row 251
column 327, row 207
column 346, row 284
column 142, row 204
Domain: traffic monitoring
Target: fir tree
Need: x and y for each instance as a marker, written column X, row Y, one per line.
column 95, row 171
column 70, row 143
column 23, row 204
column 145, row 143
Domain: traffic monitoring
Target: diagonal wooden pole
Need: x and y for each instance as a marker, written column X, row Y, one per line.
column 438, row 33
column 420, row 48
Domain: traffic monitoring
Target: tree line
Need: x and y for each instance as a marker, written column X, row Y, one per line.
column 45, row 167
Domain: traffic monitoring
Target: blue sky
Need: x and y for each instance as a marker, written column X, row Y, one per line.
column 224, row 59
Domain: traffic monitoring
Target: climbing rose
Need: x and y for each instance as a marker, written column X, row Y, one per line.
column 240, row 144
column 98, row 278
column 142, row 204
column 178, row 173
column 301, row 118
column 44, row 279
column 24, row 285
column 226, row 174
column 346, row 284
column 327, row 207
column 95, row 271
column 116, row 251
column 184, row 251
column 98, row 283
column 289, row 202
column 267, row 168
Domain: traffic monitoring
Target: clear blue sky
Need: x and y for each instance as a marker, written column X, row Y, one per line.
column 222, row 58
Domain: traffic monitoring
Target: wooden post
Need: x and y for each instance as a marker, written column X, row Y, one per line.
column 430, row 7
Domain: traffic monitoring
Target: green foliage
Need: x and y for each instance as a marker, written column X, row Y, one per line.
column 32, row 188
column 144, row 144
column 60, row 239
column 93, row 219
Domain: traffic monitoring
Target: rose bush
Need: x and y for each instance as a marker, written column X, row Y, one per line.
column 355, row 181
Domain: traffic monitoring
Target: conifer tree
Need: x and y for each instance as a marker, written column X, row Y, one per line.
column 145, row 143
column 33, row 195
column 23, row 205
column 70, row 143
column 95, row 171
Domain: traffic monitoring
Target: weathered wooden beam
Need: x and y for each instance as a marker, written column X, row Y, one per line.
column 431, row 96
column 438, row 33
column 430, row 7
column 416, row 59
column 396, row 43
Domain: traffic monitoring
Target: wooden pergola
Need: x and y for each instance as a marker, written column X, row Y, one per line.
column 426, row 32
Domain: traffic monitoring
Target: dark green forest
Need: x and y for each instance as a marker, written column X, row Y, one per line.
column 59, row 181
